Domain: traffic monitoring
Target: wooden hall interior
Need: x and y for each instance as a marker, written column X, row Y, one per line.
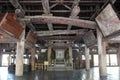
column 48, row 39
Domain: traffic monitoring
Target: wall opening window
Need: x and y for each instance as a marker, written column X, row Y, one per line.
column 5, row 59
column 107, row 59
column 96, row 62
column 113, row 60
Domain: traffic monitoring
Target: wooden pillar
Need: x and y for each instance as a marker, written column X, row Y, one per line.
column 87, row 60
column 9, row 59
column 102, row 54
column 118, row 55
column 0, row 58
column 70, row 54
column 81, row 60
column 92, row 60
column 33, row 59
column 19, row 55
column 49, row 54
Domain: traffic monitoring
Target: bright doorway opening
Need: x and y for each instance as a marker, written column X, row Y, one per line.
column 5, row 59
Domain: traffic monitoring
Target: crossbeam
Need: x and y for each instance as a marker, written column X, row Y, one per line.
column 60, row 37
column 57, row 32
column 62, row 20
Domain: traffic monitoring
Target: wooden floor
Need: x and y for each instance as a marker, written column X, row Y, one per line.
column 82, row 74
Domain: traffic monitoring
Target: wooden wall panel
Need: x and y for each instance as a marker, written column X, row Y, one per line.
column 31, row 38
column 108, row 21
column 10, row 25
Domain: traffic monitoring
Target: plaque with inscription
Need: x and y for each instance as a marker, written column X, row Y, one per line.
column 108, row 21
column 89, row 39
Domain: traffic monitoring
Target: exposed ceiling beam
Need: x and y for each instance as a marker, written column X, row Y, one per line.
column 54, row 1
column 19, row 10
column 75, row 11
column 58, row 11
column 59, row 37
column 62, row 20
column 30, row 25
column 46, row 10
column 57, row 32
column 58, row 1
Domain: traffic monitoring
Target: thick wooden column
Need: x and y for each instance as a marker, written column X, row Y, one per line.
column 87, row 60
column 118, row 55
column 102, row 54
column 33, row 59
column 70, row 54
column 49, row 54
column 19, row 55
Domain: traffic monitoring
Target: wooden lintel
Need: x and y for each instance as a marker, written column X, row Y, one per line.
column 62, row 20
column 57, row 32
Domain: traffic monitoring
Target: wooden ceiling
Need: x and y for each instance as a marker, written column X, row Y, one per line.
column 58, row 19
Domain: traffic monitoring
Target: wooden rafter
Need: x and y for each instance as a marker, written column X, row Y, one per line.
column 46, row 9
column 62, row 20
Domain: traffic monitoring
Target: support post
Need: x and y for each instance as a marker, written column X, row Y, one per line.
column 19, row 55
column 0, row 58
column 87, row 60
column 49, row 54
column 70, row 55
column 102, row 54
column 9, row 59
column 92, row 61
column 118, row 56
column 33, row 59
